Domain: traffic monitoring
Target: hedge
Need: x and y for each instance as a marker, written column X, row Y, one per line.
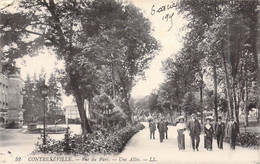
column 102, row 141
column 247, row 139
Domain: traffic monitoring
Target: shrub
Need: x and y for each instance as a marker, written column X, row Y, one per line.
column 247, row 139
column 55, row 129
column 102, row 141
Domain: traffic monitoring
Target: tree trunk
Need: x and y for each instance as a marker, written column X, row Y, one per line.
column 113, row 79
column 258, row 69
column 201, row 96
column 246, row 104
column 201, row 107
column 90, row 108
column 227, row 67
column 235, row 102
column 84, row 121
column 125, row 93
column 178, row 102
column 258, row 79
column 228, row 90
column 246, row 95
column 80, row 102
column 128, row 111
column 215, row 93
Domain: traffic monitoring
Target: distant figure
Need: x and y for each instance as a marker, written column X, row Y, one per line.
column 220, row 132
column 233, row 130
column 181, row 127
column 160, row 127
column 195, row 129
column 165, row 130
column 208, row 134
column 152, row 128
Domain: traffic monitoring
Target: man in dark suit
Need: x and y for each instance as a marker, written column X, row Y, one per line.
column 152, row 128
column 234, row 130
column 161, row 128
column 220, row 132
column 195, row 129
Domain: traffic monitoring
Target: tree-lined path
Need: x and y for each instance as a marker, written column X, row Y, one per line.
column 139, row 147
column 167, row 152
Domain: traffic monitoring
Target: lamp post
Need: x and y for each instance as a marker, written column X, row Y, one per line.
column 44, row 91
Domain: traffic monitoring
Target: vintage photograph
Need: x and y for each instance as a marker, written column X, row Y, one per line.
column 130, row 81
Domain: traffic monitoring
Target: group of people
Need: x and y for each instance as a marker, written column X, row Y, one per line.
column 219, row 130
column 162, row 127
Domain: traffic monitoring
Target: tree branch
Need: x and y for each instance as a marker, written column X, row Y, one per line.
column 35, row 33
column 42, row 35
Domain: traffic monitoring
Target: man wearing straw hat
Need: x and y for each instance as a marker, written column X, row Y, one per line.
column 181, row 127
column 195, row 129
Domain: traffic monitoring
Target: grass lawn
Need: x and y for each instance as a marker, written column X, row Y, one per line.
column 252, row 127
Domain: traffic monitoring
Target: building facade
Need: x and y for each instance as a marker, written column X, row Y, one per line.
column 3, row 96
column 11, row 98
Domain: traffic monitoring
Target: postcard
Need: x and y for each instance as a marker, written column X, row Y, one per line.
column 129, row 81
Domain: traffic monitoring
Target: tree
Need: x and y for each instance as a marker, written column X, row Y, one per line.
column 28, row 103
column 126, row 47
column 153, row 104
column 33, row 104
column 190, row 104
column 70, row 29
column 54, row 96
column 103, row 104
column 140, row 106
column 222, row 23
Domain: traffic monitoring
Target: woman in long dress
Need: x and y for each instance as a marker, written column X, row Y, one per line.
column 181, row 127
column 208, row 134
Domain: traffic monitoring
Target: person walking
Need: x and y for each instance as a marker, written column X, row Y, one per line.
column 181, row 127
column 208, row 134
column 194, row 129
column 220, row 132
column 160, row 127
column 152, row 128
column 233, row 130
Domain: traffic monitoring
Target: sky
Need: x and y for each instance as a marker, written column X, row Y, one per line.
column 167, row 25
column 170, row 41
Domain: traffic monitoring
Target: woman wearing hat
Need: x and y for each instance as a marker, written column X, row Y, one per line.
column 208, row 134
column 181, row 127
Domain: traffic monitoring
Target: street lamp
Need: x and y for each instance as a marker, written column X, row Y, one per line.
column 44, row 91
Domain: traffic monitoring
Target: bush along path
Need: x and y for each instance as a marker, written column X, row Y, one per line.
column 108, row 147
column 247, row 139
column 102, row 141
